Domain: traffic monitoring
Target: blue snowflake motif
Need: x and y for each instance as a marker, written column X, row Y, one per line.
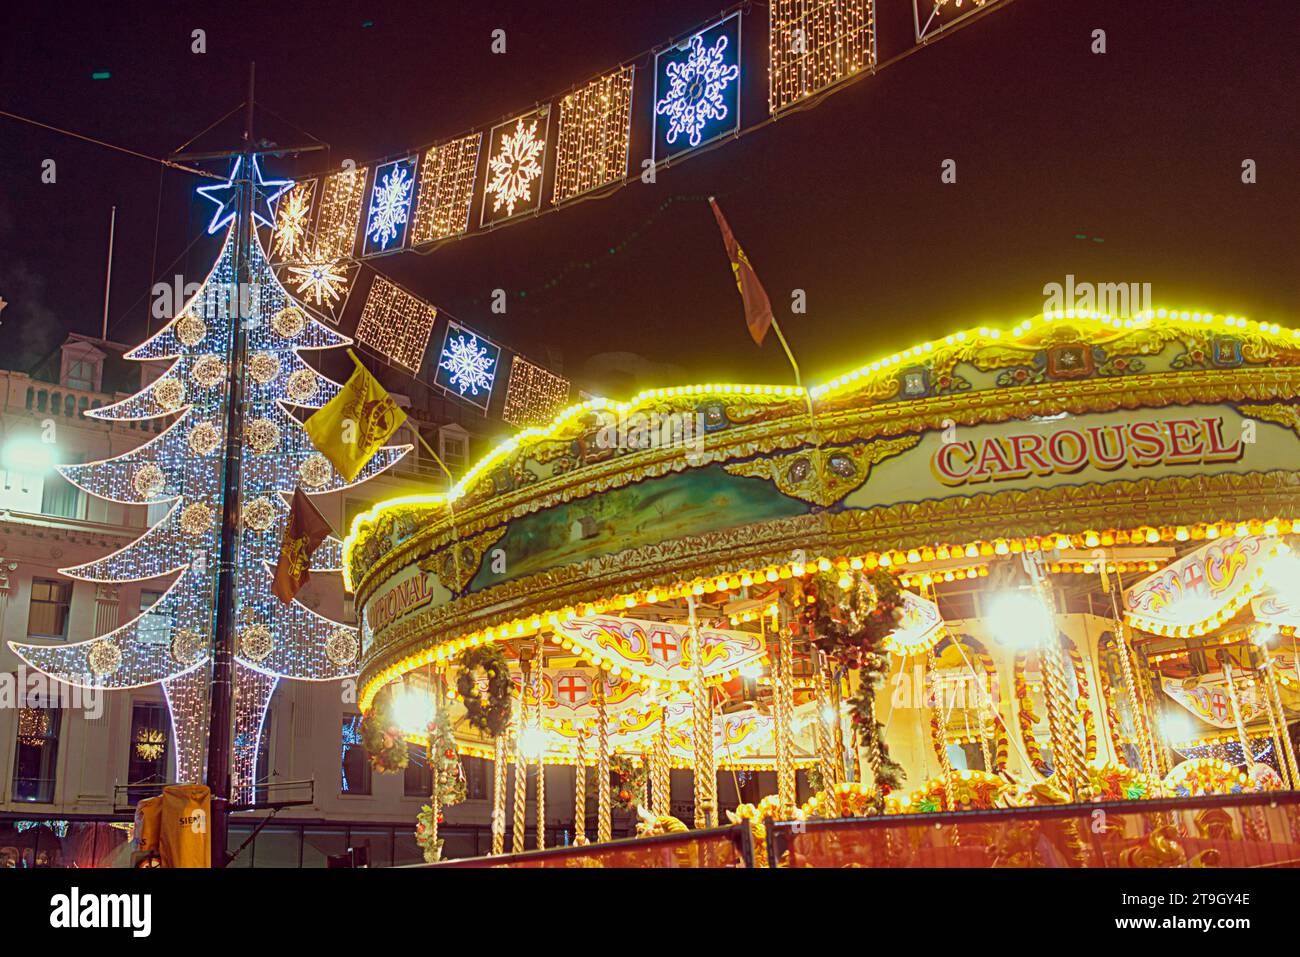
column 389, row 203
column 469, row 365
column 695, row 89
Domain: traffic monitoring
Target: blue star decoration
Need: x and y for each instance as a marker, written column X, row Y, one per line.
column 226, row 196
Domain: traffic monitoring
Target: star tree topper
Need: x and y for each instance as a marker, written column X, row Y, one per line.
column 226, row 196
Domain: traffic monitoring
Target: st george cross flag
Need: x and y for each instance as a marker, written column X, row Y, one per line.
column 758, row 309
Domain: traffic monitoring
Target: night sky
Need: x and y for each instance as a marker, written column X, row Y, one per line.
column 1140, row 148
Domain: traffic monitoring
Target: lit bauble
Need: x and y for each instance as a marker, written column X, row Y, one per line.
column 263, row 367
column 255, row 642
column 149, row 481
column 259, row 514
column 104, row 657
column 196, row 518
column 262, row 435
column 188, row 646
column 302, row 385
column 289, row 322
column 315, row 471
column 341, row 647
column 204, row 438
column 208, row 371
column 190, row 329
column 169, row 393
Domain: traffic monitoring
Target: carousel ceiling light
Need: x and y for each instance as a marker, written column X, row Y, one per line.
column 1021, row 619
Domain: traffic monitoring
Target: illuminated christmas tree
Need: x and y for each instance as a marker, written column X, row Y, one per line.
column 171, row 642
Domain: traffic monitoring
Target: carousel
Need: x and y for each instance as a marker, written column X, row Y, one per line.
column 1041, row 565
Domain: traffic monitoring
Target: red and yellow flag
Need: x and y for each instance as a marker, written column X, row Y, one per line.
column 758, row 309
column 351, row 427
column 303, row 534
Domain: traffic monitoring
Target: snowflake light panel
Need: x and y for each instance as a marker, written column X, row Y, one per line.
column 446, row 189
column 697, row 89
column 516, row 163
column 467, row 365
column 389, row 213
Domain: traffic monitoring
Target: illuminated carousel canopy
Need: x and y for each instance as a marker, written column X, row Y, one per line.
column 1059, row 435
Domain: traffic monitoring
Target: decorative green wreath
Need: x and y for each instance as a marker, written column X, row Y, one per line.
column 493, row 715
column 384, row 742
column 627, row 783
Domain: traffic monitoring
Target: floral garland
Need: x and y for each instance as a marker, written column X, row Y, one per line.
column 630, row 782
column 424, row 831
column 850, row 624
column 384, row 742
column 492, row 716
column 444, row 762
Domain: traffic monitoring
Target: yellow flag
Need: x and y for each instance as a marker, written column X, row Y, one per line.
column 350, row 428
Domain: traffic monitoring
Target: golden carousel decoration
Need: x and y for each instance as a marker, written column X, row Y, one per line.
column 1049, row 563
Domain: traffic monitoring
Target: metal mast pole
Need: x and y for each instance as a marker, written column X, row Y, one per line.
column 223, row 648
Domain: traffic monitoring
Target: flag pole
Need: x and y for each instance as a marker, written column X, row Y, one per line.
column 737, row 256
column 451, row 509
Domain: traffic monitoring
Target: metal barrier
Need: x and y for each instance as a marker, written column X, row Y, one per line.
column 717, row 847
column 1236, row 830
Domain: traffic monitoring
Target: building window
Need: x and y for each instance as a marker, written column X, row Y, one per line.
column 81, row 371
column 155, row 628
column 147, row 763
column 51, row 603
column 262, row 770
column 37, row 754
column 59, row 497
column 418, row 777
column 454, row 449
column 20, row 491
column 476, row 777
column 356, row 764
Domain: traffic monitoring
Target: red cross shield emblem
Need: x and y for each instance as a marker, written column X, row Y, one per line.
column 572, row 689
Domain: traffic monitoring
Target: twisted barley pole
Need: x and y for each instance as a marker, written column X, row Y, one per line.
column 1146, row 745
column 1274, row 697
column 1062, row 721
column 580, row 797
column 499, row 795
column 603, row 830
column 539, row 662
column 783, row 699
column 660, row 780
column 521, row 774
